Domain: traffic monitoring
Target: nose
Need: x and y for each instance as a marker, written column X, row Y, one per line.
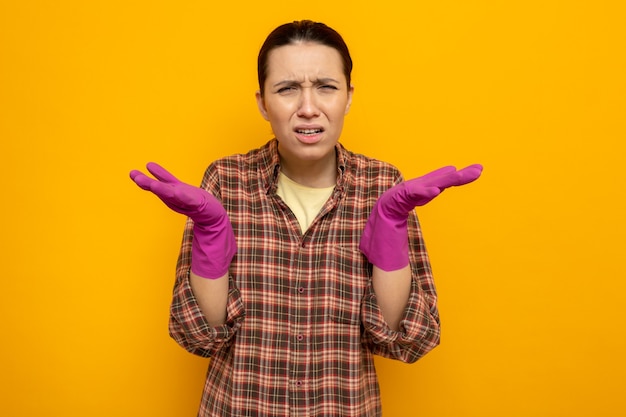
column 308, row 104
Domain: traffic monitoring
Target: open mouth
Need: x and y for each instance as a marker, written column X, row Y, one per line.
column 309, row 131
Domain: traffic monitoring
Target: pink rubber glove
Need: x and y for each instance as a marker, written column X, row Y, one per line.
column 385, row 240
column 213, row 245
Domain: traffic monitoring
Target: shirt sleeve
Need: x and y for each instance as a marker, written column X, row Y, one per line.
column 419, row 330
column 188, row 325
column 190, row 329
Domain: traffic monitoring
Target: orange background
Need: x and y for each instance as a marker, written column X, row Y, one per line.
column 529, row 261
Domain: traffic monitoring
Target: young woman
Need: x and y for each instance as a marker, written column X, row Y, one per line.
column 301, row 260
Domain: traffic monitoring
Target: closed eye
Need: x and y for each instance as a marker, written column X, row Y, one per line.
column 287, row 89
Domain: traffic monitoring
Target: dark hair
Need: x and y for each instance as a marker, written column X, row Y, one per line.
column 303, row 31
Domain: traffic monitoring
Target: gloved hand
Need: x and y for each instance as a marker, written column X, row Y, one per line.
column 213, row 245
column 385, row 238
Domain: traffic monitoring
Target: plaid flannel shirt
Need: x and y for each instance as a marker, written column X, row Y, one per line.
column 302, row 321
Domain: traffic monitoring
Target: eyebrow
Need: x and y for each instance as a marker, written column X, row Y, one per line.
column 318, row 81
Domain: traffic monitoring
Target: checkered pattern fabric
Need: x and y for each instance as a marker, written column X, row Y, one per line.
column 302, row 322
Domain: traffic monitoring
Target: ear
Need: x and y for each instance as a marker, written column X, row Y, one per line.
column 349, row 103
column 260, row 102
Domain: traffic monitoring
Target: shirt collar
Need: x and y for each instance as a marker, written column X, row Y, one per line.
column 269, row 166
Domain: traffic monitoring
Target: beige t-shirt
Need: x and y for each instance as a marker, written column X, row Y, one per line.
column 304, row 202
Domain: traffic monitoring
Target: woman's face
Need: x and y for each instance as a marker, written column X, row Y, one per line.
column 306, row 98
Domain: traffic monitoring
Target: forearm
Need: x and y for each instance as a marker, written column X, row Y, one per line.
column 212, row 297
column 392, row 289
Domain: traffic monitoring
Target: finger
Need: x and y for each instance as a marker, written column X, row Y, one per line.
column 456, row 178
column 470, row 173
column 141, row 179
column 163, row 190
column 437, row 173
column 442, row 178
column 161, row 173
column 134, row 173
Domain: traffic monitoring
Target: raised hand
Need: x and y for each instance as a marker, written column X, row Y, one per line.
column 385, row 238
column 183, row 198
column 214, row 243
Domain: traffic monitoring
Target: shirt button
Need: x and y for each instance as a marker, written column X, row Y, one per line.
column 298, row 383
column 300, row 338
column 301, row 290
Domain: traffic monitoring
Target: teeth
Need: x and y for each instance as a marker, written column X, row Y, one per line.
column 309, row 131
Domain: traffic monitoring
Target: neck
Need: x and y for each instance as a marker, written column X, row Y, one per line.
column 315, row 174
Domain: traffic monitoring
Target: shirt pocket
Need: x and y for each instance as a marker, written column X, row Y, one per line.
column 345, row 284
